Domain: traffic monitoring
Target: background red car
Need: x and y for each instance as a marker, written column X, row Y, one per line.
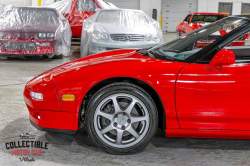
column 76, row 11
column 195, row 21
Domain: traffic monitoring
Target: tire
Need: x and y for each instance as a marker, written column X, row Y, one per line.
column 134, row 119
column 58, row 56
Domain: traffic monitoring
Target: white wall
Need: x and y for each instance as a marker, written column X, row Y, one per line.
column 18, row 3
column 213, row 5
column 35, row 2
column 148, row 5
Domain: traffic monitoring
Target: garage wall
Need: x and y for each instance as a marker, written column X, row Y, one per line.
column 126, row 4
column 175, row 11
column 148, row 5
column 18, row 3
column 35, row 2
column 213, row 5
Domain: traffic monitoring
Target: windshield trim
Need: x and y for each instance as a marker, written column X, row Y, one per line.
column 206, row 50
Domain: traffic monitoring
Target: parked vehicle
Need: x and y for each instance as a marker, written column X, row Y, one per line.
column 29, row 31
column 194, row 21
column 76, row 11
column 123, row 96
column 111, row 29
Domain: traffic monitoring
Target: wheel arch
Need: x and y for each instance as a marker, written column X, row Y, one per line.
column 148, row 88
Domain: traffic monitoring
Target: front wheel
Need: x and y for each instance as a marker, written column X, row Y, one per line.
column 121, row 118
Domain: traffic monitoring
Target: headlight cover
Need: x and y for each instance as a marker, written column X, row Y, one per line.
column 97, row 35
column 45, row 35
column 148, row 37
column 156, row 38
column 105, row 36
column 36, row 96
column 50, row 35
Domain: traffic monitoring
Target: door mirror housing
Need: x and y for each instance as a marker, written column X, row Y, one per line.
column 223, row 57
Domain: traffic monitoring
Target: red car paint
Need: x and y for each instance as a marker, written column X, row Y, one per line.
column 198, row 102
column 188, row 26
column 76, row 18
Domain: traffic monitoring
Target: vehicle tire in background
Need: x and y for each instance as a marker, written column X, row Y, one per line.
column 121, row 118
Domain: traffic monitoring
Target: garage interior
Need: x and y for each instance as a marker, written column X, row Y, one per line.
column 78, row 149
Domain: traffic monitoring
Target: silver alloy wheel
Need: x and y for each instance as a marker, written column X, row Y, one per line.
column 121, row 120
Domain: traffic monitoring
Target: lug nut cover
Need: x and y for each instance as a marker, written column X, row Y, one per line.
column 123, row 127
column 129, row 121
column 115, row 124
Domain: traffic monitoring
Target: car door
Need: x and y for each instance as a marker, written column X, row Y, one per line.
column 184, row 25
column 218, row 100
column 84, row 9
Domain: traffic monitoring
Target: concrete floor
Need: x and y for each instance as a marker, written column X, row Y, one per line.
column 78, row 149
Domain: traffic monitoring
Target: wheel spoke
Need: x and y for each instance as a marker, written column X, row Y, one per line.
column 116, row 105
column 107, row 129
column 137, row 119
column 130, row 107
column 132, row 131
column 106, row 115
column 119, row 136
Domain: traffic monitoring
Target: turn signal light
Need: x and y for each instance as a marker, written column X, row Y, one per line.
column 68, row 97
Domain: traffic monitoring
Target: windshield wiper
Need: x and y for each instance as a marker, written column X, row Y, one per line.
column 145, row 53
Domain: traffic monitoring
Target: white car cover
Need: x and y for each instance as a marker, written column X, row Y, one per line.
column 119, row 28
column 33, row 30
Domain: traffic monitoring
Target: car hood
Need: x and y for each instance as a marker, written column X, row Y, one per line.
column 117, row 28
column 97, row 59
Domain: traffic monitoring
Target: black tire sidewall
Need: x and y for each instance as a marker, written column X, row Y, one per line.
column 132, row 90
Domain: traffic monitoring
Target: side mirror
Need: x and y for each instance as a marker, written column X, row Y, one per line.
column 223, row 57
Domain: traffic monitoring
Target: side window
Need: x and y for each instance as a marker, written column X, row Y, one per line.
column 240, row 47
column 86, row 5
column 187, row 19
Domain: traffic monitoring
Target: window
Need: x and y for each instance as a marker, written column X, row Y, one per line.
column 122, row 17
column 188, row 18
column 86, row 5
column 201, row 41
column 206, row 18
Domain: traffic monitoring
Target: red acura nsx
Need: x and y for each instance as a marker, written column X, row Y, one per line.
column 123, row 96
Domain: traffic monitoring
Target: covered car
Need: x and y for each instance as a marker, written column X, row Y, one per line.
column 111, row 29
column 78, row 10
column 33, row 31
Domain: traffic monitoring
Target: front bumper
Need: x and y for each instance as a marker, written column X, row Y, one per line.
column 44, row 115
column 97, row 47
column 18, row 47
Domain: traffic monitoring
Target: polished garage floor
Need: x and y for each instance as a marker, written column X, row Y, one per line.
column 79, row 150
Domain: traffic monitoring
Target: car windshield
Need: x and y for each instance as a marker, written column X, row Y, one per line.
column 186, row 45
column 36, row 15
column 206, row 18
column 124, row 17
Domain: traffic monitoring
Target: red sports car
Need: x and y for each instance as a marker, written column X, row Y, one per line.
column 76, row 11
column 194, row 21
column 33, row 31
column 123, row 96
